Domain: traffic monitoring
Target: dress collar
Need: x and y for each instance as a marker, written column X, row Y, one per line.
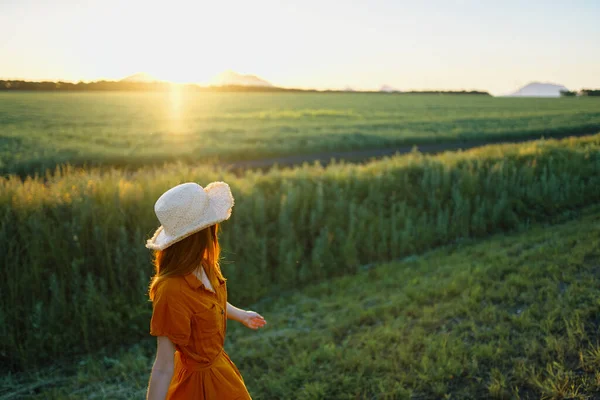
column 195, row 283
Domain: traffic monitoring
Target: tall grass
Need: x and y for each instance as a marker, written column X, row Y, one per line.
column 75, row 269
column 511, row 316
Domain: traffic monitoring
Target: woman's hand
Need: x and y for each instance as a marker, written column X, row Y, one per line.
column 252, row 320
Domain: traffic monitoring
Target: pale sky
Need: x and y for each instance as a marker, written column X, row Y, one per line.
column 443, row 44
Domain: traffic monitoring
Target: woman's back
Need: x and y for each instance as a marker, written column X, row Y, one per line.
column 194, row 318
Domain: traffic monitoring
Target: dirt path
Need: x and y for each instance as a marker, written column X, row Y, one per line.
column 358, row 156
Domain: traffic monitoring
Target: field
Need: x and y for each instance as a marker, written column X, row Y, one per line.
column 42, row 130
column 341, row 260
column 509, row 317
column 75, row 268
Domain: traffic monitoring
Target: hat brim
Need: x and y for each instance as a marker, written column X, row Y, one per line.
column 220, row 203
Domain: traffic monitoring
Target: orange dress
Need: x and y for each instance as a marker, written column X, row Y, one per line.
column 194, row 318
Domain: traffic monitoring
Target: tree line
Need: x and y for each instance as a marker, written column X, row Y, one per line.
column 13, row 85
column 582, row 92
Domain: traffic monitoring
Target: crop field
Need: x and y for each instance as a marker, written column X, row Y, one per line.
column 508, row 317
column 42, row 130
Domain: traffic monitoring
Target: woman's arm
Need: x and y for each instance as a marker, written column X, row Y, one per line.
column 162, row 370
column 251, row 319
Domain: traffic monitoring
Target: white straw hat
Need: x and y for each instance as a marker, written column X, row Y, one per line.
column 187, row 209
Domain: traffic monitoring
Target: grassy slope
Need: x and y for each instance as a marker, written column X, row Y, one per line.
column 41, row 130
column 509, row 317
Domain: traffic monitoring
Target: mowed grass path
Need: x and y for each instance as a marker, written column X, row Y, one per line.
column 42, row 130
column 511, row 317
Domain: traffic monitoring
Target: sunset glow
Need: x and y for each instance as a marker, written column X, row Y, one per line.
column 495, row 46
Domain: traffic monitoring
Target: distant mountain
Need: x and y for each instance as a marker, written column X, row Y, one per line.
column 139, row 77
column 539, row 89
column 231, row 78
column 388, row 89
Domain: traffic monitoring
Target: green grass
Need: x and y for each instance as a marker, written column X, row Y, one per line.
column 510, row 317
column 42, row 130
column 75, row 269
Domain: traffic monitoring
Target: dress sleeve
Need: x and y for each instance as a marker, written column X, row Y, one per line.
column 169, row 316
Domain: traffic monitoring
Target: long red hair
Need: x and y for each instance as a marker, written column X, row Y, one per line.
column 199, row 249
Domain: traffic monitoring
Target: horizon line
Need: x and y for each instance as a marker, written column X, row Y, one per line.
column 347, row 88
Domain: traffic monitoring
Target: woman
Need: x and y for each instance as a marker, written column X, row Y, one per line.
column 189, row 298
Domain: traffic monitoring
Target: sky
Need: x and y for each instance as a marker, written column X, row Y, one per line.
column 496, row 46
